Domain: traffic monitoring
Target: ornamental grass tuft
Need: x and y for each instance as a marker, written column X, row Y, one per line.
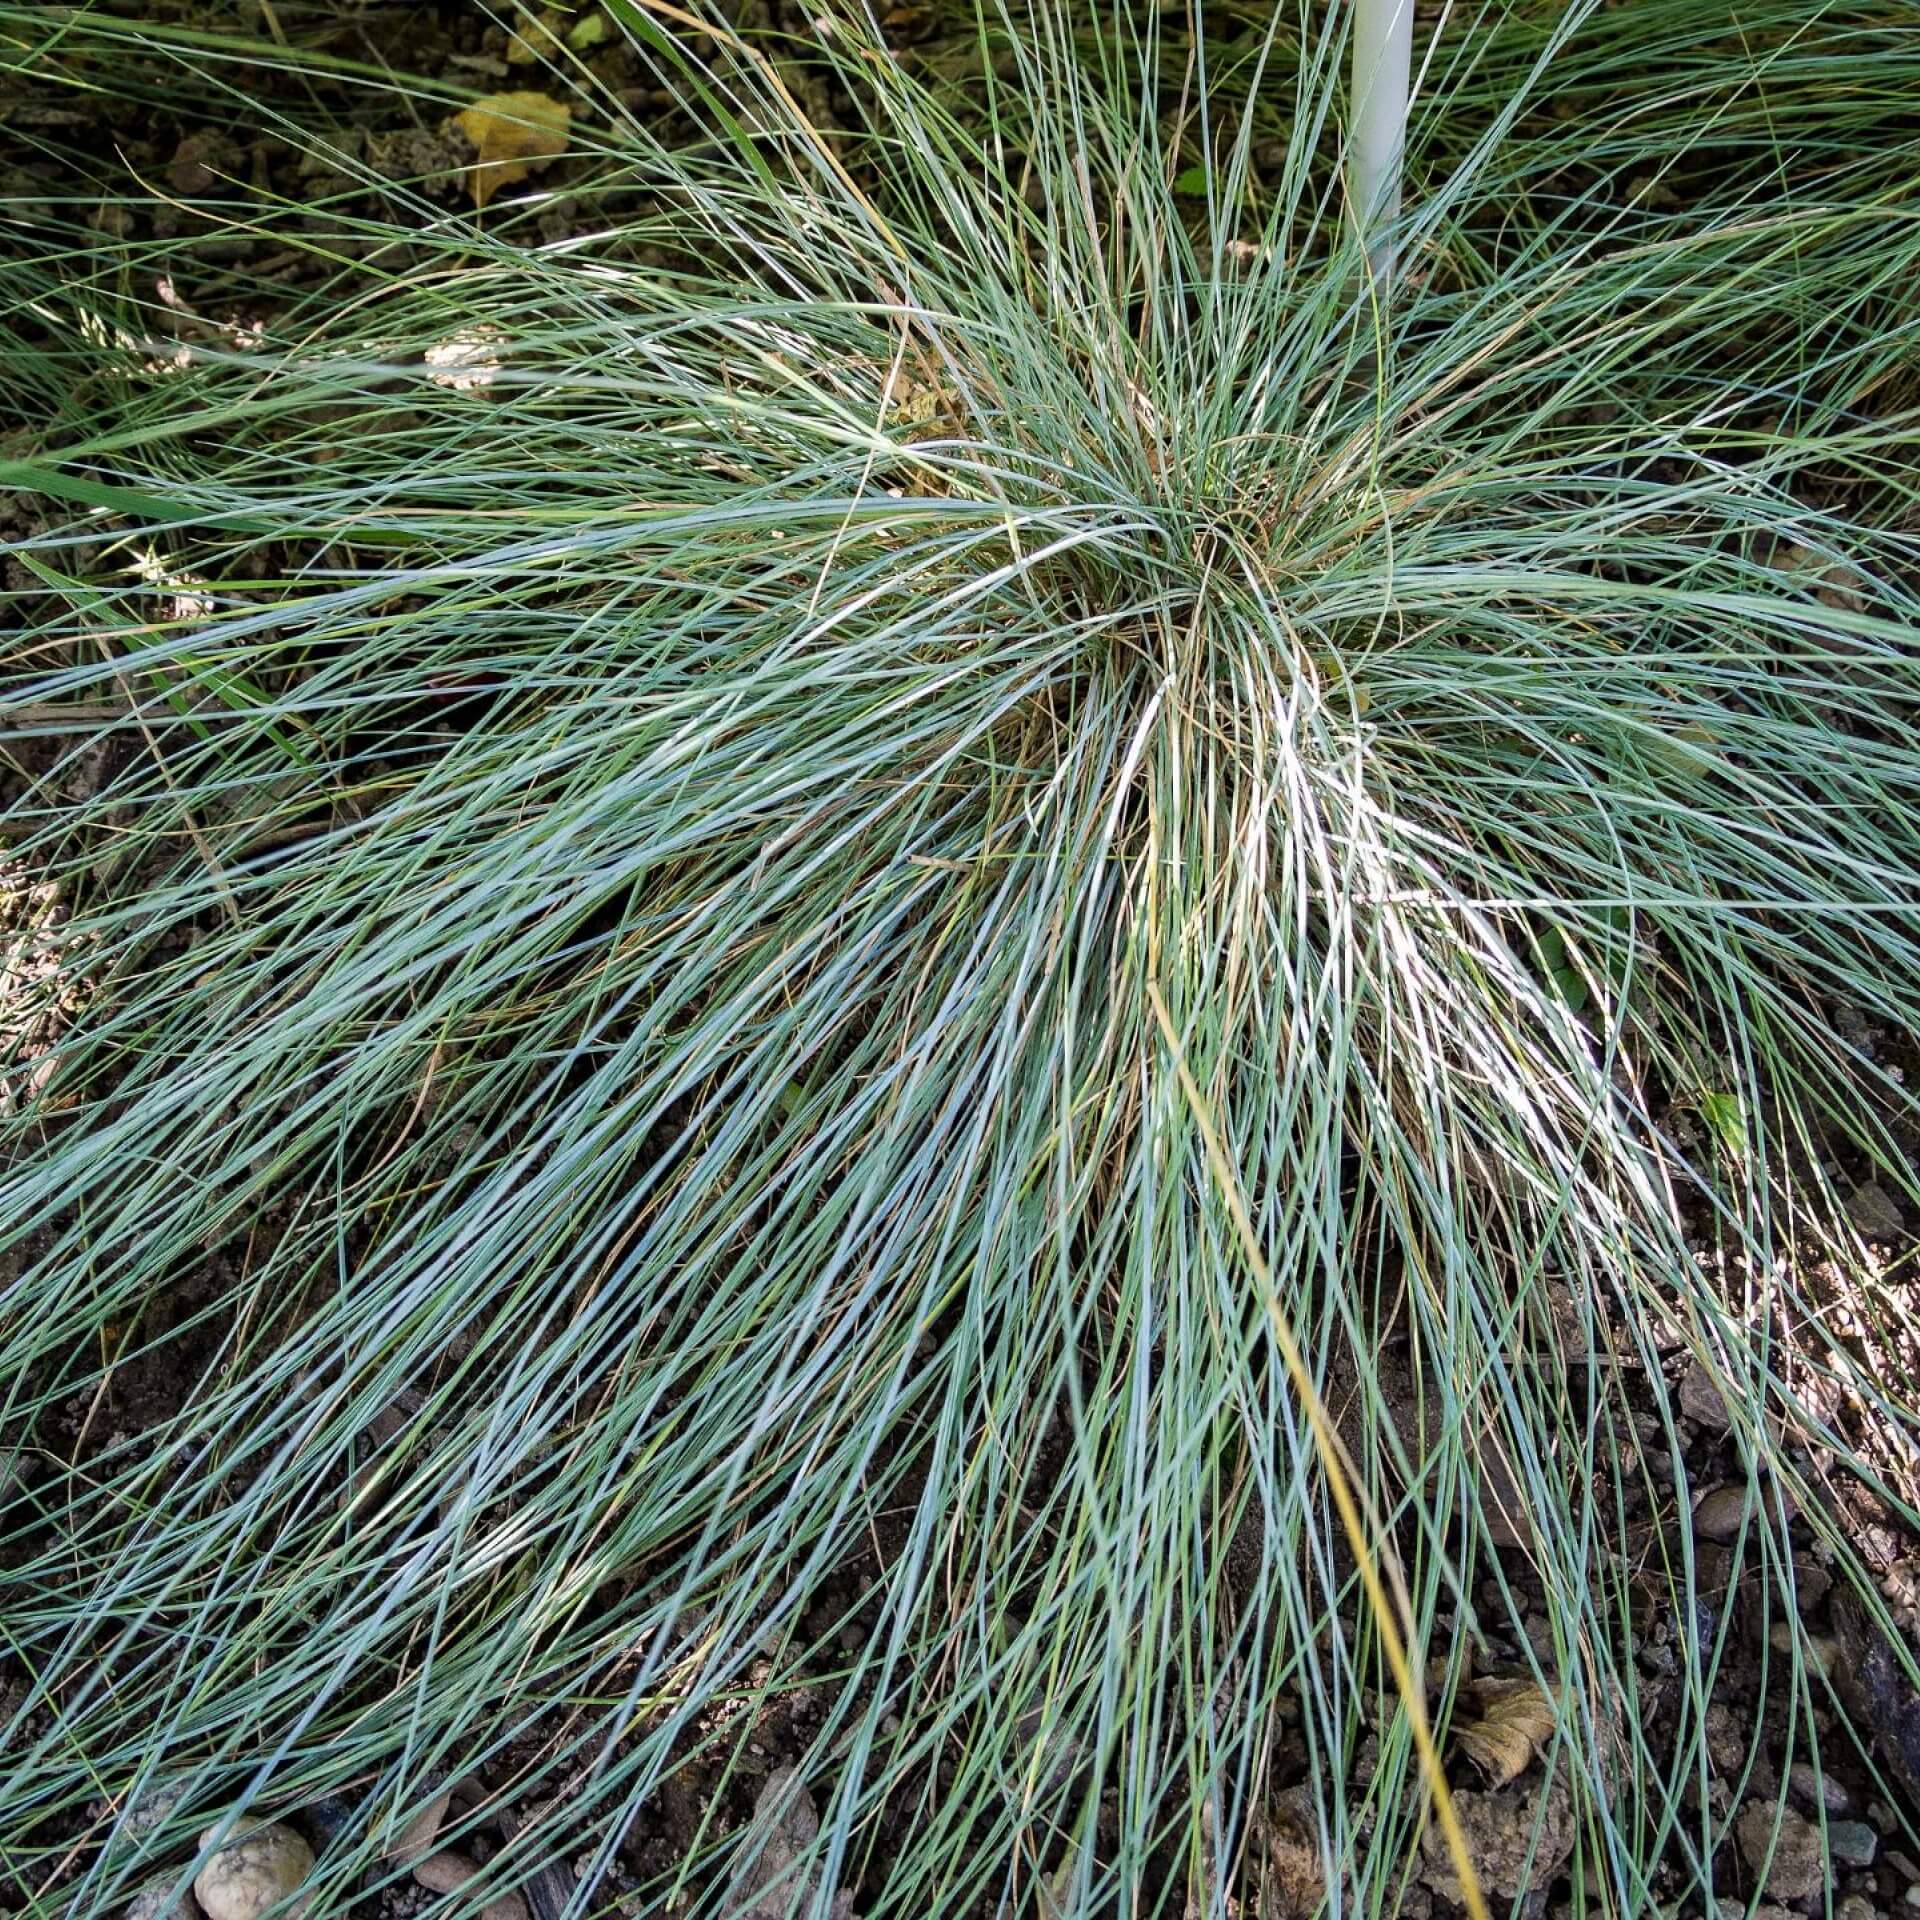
column 614, row 782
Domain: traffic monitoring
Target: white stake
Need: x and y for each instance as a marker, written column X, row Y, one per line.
column 1382, row 63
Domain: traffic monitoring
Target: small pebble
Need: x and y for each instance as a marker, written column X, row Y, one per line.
column 1852, row 1842
column 444, row 1872
column 162, row 1898
column 1820, row 1651
column 415, row 1840
column 449, row 1872
column 252, row 1873
column 1718, row 1515
column 1811, row 1583
column 149, row 1809
column 1812, row 1788
column 1874, row 1212
column 1700, row 1401
column 325, row 1820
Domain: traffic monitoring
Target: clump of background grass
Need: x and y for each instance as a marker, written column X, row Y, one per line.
column 625, row 922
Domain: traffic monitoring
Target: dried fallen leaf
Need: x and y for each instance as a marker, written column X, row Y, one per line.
column 1515, row 1722
column 512, row 134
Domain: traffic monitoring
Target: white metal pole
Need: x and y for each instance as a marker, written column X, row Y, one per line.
column 1382, row 67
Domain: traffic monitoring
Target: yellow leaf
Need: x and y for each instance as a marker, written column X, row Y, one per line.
column 512, row 134
column 1516, row 1721
column 535, row 39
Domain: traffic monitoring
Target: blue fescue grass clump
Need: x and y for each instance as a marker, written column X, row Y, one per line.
column 643, row 789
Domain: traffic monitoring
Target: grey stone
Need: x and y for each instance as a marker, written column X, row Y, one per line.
column 773, row 1883
column 1874, row 1212
column 1812, row 1788
column 163, row 1898
column 149, row 1809
column 1852, row 1842
column 1701, row 1401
